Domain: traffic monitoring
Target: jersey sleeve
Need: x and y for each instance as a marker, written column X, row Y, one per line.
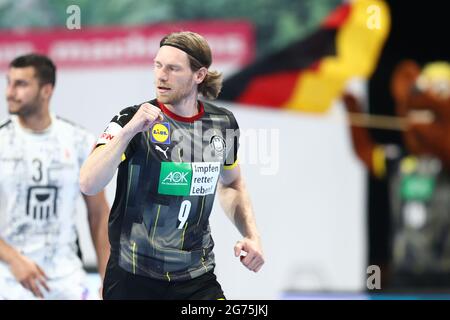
column 82, row 141
column 232, row 142
column 88, row 143
column 115, row 125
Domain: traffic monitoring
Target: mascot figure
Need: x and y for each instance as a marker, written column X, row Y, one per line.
column 418, row 173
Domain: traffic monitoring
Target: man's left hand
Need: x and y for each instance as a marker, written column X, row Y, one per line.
column 254, row 258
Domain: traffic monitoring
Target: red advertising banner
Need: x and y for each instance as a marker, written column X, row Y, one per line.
column 231, row 42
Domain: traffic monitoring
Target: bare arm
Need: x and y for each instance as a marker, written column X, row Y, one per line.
column 26, row 271
column 98, row 211
column 236, row 203
column 100, row 166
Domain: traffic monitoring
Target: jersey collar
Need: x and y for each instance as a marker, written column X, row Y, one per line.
column 176, row 117
column 46, row 131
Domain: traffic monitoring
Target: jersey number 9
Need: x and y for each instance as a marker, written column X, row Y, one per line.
column 183, row 215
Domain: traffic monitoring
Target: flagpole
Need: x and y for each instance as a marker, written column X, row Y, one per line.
column 389, row 122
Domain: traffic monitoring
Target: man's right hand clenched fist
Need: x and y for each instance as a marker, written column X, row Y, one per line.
column 144, row 118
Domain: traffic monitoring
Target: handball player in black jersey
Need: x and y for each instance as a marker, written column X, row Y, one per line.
column 172, row 153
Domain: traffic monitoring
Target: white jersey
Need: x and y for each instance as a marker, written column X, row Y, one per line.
column 39, row 190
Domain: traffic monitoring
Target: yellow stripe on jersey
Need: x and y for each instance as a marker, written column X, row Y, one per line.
column 167, row 275
column 133, row 253
column 101, row 146
column 156, row 223
column 182, row 236
column 203, row 263
column 201, row 210
column 231, row 166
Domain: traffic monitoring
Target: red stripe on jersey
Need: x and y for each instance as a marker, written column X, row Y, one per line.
column 176, row 117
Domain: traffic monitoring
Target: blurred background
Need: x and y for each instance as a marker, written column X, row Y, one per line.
column 324, row 220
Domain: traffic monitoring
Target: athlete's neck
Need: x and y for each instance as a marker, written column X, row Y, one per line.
column 36, row 122
column 186, row 108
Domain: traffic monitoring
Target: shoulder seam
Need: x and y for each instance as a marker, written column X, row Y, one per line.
column 67, row 121
column 6, row 123
column 72, row 124
column 213, row 106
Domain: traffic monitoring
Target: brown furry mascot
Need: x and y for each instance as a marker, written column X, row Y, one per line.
column 418, row 174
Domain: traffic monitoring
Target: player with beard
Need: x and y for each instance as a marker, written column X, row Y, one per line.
column 40, row 158
column 172, row 153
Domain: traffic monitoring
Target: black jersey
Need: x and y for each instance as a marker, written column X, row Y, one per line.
column 166, row 183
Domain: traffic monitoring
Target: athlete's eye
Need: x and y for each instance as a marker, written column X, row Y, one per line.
column 21, row 83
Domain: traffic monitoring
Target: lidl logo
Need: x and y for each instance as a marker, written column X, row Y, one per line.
column 161, row 133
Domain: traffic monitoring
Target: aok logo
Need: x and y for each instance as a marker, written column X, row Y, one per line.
column 176, row 178
column 161, row 133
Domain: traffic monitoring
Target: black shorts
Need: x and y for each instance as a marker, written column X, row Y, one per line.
column 122, row 285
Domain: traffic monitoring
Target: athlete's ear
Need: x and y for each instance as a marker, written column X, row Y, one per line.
column 47, row 91
column 200, row 75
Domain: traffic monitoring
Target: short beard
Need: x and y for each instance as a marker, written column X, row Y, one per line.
column 26, row 110
column 175, row 99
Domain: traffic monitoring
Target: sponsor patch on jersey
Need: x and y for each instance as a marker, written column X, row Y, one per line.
column 218, row 144
column 161, row 133
column 175, row 178
column 188, row 179
column 41, row 202
column 110, row 132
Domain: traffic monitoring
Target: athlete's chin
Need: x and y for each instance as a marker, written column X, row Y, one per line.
column 20, row 111
column 164, row 99
column 13, row 111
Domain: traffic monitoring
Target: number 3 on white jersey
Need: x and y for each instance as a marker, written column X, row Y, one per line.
column 185, row 208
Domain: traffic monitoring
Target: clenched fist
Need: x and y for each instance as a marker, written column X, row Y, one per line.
column 144, row 118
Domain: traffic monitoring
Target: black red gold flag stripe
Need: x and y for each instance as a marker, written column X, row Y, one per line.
column 309, row 74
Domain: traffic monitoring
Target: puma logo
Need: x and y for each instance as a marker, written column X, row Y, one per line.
column 120, row 115
column 162, row 151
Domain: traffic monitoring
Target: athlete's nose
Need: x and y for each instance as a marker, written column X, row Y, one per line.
column 10, row 92
column 162, row 75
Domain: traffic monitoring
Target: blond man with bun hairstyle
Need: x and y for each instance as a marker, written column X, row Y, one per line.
column 199, row 57
column 172, row 153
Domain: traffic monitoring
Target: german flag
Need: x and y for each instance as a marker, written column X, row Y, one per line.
column 309, row 74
